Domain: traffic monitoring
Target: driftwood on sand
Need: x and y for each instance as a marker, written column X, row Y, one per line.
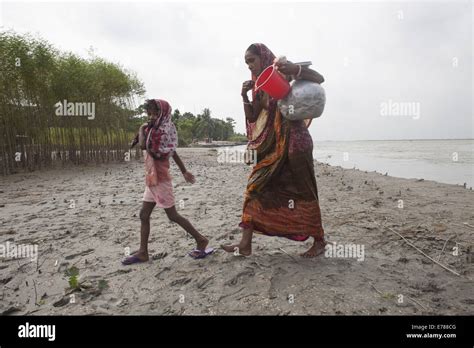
column 420, row 251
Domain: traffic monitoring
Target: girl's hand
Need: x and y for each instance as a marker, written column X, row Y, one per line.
column 189, row 177
column 143, row 126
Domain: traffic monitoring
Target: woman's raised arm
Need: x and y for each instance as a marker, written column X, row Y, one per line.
column 300, row 72
column 310, row 75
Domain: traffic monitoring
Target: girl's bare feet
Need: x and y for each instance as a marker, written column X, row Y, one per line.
column 245, row 250
column 137, row 257
column 201, row 243
column 316, row 249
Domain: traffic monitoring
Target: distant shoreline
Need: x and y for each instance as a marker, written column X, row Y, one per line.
column 446, row 161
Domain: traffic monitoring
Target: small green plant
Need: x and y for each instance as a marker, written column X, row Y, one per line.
column 388, row 296
column 102, row 284
column 72, row 274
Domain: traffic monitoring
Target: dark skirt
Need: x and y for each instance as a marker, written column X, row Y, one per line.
column 288, row 204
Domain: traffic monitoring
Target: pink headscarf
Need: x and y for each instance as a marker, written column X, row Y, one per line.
column 162, row 138
column 266, row 59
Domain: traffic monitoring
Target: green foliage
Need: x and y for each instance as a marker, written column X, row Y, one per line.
column 203, row 127
column 35, row 76
column 102, row 285
column 388, row 296
column 238, row 138
column 73, row 274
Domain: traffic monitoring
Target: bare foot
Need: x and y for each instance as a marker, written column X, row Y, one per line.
column 316, row 249
column 245, row 251
column 202, row 243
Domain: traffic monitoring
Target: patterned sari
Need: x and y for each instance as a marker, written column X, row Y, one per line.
column 281, row 198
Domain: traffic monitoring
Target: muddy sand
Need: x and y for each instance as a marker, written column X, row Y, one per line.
column 84, row 218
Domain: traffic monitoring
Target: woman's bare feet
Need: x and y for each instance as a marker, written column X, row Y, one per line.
column 316, row 249
column 245, row 251
column 244, row 247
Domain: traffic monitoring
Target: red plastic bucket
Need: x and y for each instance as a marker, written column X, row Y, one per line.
column 272, row 82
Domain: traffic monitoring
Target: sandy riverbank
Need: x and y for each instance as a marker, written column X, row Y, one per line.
column 357, row 208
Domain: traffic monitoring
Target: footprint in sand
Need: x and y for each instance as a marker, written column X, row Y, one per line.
column 235, row 280
column 203, row 283
column 85, row 252
column 160, row 256
column 181, row 281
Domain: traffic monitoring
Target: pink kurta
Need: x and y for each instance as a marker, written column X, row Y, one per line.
column 159, row 187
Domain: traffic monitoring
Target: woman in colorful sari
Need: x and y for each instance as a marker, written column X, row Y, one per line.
column 281, row 198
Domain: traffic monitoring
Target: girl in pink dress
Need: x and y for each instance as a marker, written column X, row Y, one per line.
column 158, row 139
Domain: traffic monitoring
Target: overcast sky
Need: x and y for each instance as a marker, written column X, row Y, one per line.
column 373, row 55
